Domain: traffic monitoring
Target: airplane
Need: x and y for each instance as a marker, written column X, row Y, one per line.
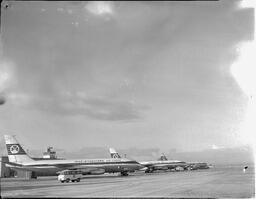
column 161, row 164
column 197, row 165
column 19, row 159
column 190, row 165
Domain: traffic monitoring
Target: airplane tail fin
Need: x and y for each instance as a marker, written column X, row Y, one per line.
column 113, row 153
column 16, row 153
column 163, row 157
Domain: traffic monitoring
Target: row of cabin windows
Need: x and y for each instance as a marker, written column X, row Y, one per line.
column 91, row 161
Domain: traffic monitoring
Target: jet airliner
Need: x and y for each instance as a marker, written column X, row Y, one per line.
column 162, row 164
column 19, row 159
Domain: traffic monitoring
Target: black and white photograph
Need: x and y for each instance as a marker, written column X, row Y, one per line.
column 127, row 99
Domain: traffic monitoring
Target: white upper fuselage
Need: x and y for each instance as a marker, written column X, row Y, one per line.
column 76, row 162
column 85, row 165
column 156, row 162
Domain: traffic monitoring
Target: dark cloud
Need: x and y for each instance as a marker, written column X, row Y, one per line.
column 106, row 109
column 99, row 108
column 2, row 99
column 111, row 110
column 173, row 57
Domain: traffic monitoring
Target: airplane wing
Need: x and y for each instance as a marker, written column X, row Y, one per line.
column 162, row 165
column 12, row 164
column 166, row 166
column 86, row 169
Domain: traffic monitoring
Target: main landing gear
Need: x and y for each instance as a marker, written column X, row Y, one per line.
column 124, row 173
column 149, row 171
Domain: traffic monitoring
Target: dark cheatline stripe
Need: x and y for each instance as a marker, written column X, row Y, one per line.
column 15, row 149
column 89, row 163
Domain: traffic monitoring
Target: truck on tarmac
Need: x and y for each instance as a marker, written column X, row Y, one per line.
column 70, row 175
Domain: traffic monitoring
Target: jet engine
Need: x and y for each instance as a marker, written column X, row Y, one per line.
column 161, row 168
column 98, row 172
column 90, row 171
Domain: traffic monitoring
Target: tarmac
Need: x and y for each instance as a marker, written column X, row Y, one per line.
column 217, row 182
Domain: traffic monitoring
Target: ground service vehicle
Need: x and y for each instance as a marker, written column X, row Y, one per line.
column 70, row 175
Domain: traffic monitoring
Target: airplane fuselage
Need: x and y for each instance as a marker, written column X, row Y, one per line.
column 198, row 165
column 51, row 167
column 163, row 164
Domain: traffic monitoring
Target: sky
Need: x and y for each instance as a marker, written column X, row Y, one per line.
column 123, row 74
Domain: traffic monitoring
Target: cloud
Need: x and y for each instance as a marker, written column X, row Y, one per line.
column 60, row 9
column 20, row 99
column 6, row 79
column 243, row 71
column 2, row 99
column 76, row 24
column 100, row 7
column 215, row 147
column 173, row 56
column 70, row 11
column 107, row 109
column 234, row 155
column 101, row 108
column 5, row 75
column 70, row 104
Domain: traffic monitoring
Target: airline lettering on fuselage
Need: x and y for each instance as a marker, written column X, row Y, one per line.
column 95, row 161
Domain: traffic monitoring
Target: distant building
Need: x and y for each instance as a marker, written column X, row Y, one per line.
column 50, row 154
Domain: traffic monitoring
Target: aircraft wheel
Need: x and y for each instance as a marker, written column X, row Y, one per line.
column 124, row 174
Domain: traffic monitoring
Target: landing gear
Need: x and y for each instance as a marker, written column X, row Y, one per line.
column 124, row 173
column 149, row 171
column 33, row 175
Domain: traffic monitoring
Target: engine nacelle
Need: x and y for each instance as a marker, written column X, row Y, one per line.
column 161, row 168
column 98, row 172
column 178, row 168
